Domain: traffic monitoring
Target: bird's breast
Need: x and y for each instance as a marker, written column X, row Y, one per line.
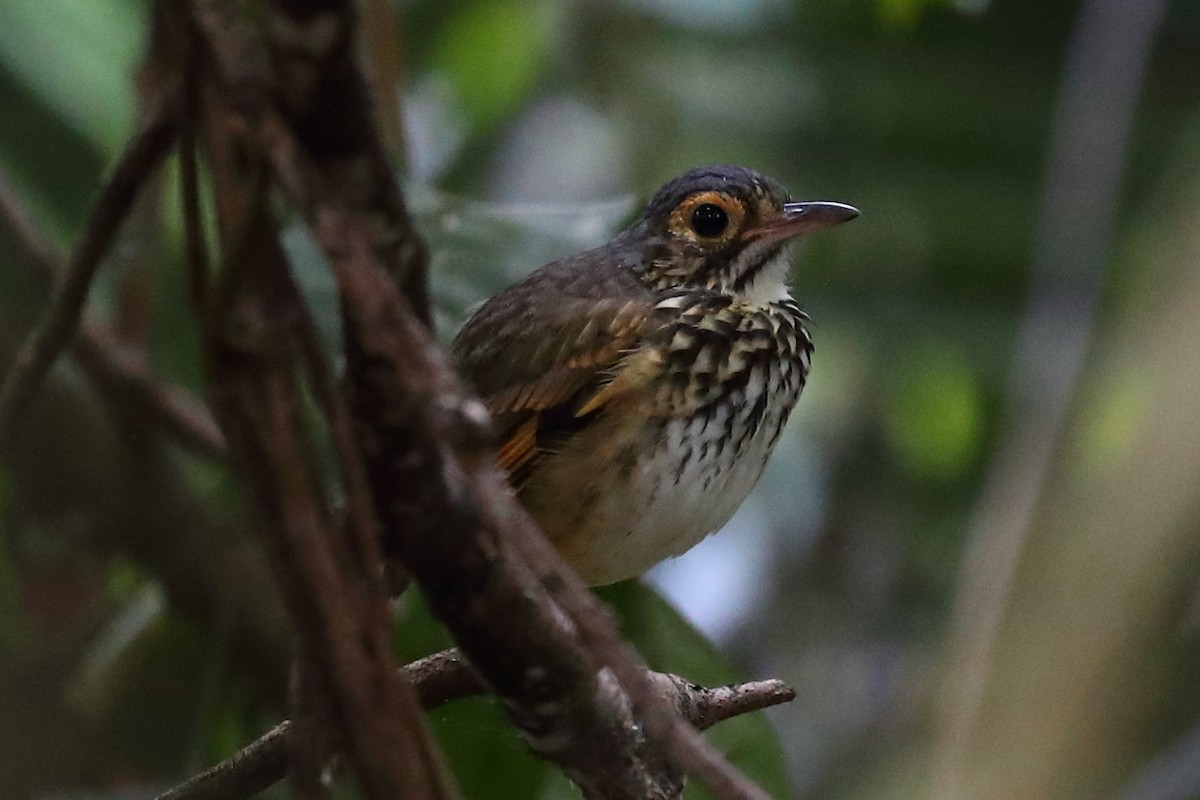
column 718, row 353
column 654, row 475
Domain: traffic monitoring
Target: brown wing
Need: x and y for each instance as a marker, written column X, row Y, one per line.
column 540, row 352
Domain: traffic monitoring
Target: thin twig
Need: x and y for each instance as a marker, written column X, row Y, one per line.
column 174, row 409
column 437, row 679
column 309, row 745
column 703, row 707
column 141, row 156
column 118, row 376
column 365, row 534
column 446, row 676
column 195, row 247
column 251, row 770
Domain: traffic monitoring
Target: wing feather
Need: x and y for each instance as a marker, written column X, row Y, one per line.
column 540, row 394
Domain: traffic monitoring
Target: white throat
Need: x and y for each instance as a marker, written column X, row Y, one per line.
column 770, row 284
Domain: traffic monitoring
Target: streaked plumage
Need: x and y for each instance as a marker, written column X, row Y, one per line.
column 639, row 387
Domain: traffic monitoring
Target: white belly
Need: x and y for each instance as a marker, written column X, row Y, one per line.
column 651, row 503
column 657, row 472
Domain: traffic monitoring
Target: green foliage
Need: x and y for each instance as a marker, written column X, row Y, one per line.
column 907, row 13
column 493, row 53
column 933, row 116
column 934, row 419
column 89, row 80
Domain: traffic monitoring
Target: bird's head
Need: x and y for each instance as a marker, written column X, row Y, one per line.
column 723, row 228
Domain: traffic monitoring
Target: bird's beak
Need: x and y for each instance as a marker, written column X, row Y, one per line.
column 798, row 218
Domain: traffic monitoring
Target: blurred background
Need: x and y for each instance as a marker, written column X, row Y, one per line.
column 975, row 552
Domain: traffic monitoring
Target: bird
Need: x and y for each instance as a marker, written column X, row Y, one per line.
column 638, row 388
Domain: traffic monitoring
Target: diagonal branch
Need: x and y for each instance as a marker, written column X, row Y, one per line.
column 439, row 679
column 663, row 721
column 122, row 378
column 141, row 156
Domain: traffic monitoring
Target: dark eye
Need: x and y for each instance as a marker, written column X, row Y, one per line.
column 709, row 220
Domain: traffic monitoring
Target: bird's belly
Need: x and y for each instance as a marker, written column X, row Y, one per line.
column 627, row 495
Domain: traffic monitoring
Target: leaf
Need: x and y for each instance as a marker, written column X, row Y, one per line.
column 488, row 758
column 87, row 82
column 935, row 418
column 486, row 755
column 492, row 53
column 477, row 248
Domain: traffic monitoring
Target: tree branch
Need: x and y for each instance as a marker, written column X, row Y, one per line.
column 141, row 156
column 446, row 676
column 598, row 631
column 328, row 584
column 123, row 379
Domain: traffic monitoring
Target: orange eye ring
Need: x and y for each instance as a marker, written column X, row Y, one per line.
column 710, row 218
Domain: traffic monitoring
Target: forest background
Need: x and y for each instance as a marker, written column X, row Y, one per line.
column 975, row 553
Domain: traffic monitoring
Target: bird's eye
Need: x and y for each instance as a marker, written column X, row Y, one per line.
column 709, row 220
